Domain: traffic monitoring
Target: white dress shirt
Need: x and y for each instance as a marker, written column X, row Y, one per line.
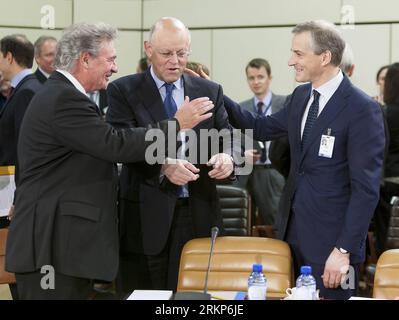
column 326, row 91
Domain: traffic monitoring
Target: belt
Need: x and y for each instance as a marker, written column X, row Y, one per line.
column 182, row 202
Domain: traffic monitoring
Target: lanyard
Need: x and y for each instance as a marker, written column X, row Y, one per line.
column 266, row 109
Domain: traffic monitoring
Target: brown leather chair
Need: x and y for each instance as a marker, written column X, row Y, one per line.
column 386, row 280
column 5, row 277
column 235, row 204
column 232, row 262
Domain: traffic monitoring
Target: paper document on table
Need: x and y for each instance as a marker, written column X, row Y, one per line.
column 151, row 295
column 7, row 188
column 363, row 298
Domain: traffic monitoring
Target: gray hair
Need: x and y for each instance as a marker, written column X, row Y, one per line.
column 79, row 38
column 325, row 36
column 347, row 59
column 40, row 42
column 161, row 21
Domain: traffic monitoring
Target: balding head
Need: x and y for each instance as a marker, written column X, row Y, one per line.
column 168, row 24
column 167, row 48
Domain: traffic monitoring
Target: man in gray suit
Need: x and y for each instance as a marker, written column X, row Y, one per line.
column 265, row 184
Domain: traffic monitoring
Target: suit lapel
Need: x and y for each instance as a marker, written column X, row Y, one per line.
column 333, row 107
column 14, row 92
column 191, row 89
column 151, row 98
column 301, row 100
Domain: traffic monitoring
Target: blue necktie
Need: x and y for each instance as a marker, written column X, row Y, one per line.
column 312, row 116
column 169, row 102
column 171, row 108
column 260, row 106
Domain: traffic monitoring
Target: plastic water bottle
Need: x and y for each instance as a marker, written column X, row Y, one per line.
column 306, row 280
column 257, row 283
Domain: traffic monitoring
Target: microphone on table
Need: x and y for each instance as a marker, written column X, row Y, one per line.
column 201, row 295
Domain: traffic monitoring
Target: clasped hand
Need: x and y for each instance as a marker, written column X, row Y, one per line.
column 181, row 172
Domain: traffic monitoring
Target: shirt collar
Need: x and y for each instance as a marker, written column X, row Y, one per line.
column 19, row 76
column 178, row 83
column 47, row 75
column 74, row 81
column 327, row 89
column 266, row 100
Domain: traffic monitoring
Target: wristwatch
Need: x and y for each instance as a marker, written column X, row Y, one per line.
column 343, row 251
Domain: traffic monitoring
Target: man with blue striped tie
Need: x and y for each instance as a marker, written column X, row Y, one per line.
column 162, row 206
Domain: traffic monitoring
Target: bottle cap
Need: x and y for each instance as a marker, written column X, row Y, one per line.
column 306, row 270
column 257, row 267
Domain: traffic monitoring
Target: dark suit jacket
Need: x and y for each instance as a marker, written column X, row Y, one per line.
column 2, row 100
column 11, row 115
column 392, row 159
column 103, row 102
column 333, row 199
column 135, row 101
column 65, row 210
column 40, row 76
column 277, row 105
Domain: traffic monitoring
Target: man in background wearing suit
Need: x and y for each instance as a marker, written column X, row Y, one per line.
column 336, row 137
column 16, row 59
column 161, row 207
column 45, row 49
column 65, row 209
column 265, row 184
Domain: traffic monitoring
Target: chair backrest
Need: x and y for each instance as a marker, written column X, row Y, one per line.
column 392, row 241
column 235, row 205
column 5, row 277
column 386, row 280
column 232, row 262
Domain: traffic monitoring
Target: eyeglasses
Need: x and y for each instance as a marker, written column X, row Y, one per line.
column 167, row 55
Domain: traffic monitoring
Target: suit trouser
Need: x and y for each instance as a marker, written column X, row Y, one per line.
column 317, row 269
column 65, row 287
column 265, row 185
column 160, row 271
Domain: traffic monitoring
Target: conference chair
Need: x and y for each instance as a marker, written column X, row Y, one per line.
column 235, row 205
column 232, row 262
column 386, row 280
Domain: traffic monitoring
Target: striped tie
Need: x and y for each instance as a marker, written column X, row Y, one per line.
column 312, row 116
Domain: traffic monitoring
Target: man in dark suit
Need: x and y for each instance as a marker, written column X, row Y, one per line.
column 65, row 223
column 265, row 183
column 45, row 49
column 336, row 135
column 16, row 59
column 161, row 206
